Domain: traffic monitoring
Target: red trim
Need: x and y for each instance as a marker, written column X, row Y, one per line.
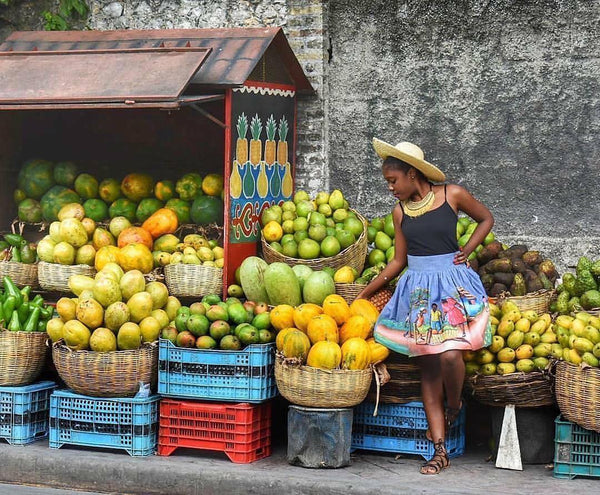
column 227, row 277
column 259, row 84
column 295, row 140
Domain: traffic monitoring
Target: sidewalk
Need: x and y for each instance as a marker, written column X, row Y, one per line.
column 203, row 472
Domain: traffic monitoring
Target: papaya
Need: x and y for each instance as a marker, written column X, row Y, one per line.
column 123, row 207
column 317, row 287
column 181, row 209
column 65, row 173
column 281, row 285
column 137, row 186
column 55, row 199
column 109, row 190
column 252, row 272
column 189, row 186
column 146, row 208
column 30, row 210
column 86, row 186
column 96, row 209
column 206, row 210
column 164, row 190
column 36, row 178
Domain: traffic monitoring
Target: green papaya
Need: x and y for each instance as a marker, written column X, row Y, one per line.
column 123, row 207
column 282, row 285
column 252, row 272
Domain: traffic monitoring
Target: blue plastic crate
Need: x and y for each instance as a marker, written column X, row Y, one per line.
column 24, row 412
column 130, row 424
column 400, row 428
column 215, row 374
column 576, row 450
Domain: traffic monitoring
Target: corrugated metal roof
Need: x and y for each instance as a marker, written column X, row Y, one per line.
column 235, row 52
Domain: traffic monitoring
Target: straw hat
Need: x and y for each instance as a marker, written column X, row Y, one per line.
column 411, row 154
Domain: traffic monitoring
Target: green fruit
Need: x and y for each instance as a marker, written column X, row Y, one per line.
column 345, row 238
column 525, row 365
column 541, row 363
column 55, row 199
column 300, row 236
column 181, row 209
column 317, row 287
column 371, row 233
column 146, row 208
column 316, row 218
column 249, row 335
column 377, row 223
column 211, row 299
column 123, row 207
column 304, row 208
column 463, row 240
column 266, row 336
column 309, row 249
column 287, row 238
column 189, row 186
column 237, row 313
column 96, row 209
column 65, row 173
column 290, row 249
column 382, row 241
column 86, row 186
column 489, row 239
column 271, row 215
column 206, row 342
column 487, row 369
column 230, row 343
column 276, row 246
column 388, row 226
column 219, row 329
column 30, row 210
column 137, row 186
column 590, row 359
column 109, row 190
column 262, row 321
column 376, row 256
column 336, row 199
column 353, row 225
column 36, row 178
column 198, row 325
column 164, row 190
column 330, row 246
column 317, row 232
column 206, row 210
column 181, row 321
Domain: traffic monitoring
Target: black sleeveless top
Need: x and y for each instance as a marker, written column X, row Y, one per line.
column 431, row 233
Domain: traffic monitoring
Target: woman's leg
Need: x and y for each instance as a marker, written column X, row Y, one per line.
column 453, row 373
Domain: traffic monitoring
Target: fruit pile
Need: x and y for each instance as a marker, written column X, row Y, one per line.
column 193, row 249
column 381, row 235
column 214, row 324
column 309, row 229
column 114, row 310
column 330, row 336
column 579, row 291
column 578, row 339
column 522, row 341
column 515, row 269
column 14, row 247
column 465, row 227
column 19, row 313
column 45, row 187
column 279, row 283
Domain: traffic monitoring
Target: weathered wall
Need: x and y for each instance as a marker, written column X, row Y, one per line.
column 503, row 95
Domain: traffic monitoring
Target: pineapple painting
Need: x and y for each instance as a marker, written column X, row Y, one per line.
column 270, row 143
column 287, row 184
column 241, row 157
column 255, row 143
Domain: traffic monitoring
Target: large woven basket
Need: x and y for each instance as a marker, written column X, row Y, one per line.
column 314, row 387
column 55, row 277
column 538, row 301
column 533, row 389
column 22, row 357
column 578, row 394
column 348, row 291
column 21, row 274
column 353, row 255
column 193, row 280
column 107, row 374
column 404, row 384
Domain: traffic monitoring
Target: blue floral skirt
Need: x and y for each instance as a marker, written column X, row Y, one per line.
column 437, row 306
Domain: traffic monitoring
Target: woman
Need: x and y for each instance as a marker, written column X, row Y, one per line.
column 438, row 274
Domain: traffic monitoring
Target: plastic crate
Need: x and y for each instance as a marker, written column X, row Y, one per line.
column 400, row 428
column 130, row 424
column 24, row 412
column 242, row 431
column 233, row 376
column 576, row 450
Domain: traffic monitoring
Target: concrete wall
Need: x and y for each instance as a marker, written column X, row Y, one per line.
column 502, row 95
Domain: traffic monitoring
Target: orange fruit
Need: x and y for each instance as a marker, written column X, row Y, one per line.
column 273, row 231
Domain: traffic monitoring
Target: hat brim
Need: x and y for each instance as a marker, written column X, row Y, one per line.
column 430, row 171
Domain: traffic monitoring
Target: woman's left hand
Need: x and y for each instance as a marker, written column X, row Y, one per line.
column 460, row 257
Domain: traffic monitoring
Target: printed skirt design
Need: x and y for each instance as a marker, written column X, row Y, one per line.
column 437, row 306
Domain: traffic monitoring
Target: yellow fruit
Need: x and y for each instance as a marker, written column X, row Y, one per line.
column 469, row 356
column 140, row 306
column 582, row 345
column 129, row 336
column 322, row 327
column 564, row 321
column 524, row 351
column 525, row 365
column 324, row 355
column 105, row 255
column 365, row 308
column 515, row 339
column 282, row 316
column 583, row 316
column 135, row 256
column 150, row 329
column 161, row 316
column 356, row 326
column 547, row 318
column 523, row 325
column 541, row 363
column 578, row 327
column 273, row 231
column 505, row 328
column 509, row 306
column 592, row 334
column 212, row 184
column 497, row 344
column 303, row 314
column 281, row 335
column 484, row 356
column 90, row 313
column 76, row 335
column 66, row 308
column 557, row 351
column 487, row 369
column 595, row 322
column 574, row 357
column 513, row 315
column 548, row 337
column 532, row 338
column 379, row 352
column 495, row 311
column 506, row 355
column 344, row 275
column 590, row 359
column 531, row 315
column 54, row 329
column 471, row 368
column 336, row 307
column 505, row 368
column 295, row 345
column 542, row 350
column 103, row 340
column 356, row 354
column 494, row 321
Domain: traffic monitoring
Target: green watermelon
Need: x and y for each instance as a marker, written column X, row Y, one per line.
column 55, row 199
column 146, row 208
column 181, row 209
column 36, row 178
column 123, row 207
column 30, row 210
column 65, row 173
column 96, row 209
column 86, row 186
column 207, row 209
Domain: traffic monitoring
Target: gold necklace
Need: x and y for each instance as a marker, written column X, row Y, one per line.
column 418, row 208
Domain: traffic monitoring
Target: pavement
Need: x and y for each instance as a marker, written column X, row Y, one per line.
column 196, row 472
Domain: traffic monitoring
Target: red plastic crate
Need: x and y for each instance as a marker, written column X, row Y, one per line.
column 241, row 431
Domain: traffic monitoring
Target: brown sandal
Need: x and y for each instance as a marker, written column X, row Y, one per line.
column 438, row 462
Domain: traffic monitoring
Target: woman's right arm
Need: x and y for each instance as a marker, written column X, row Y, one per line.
column 396, row 265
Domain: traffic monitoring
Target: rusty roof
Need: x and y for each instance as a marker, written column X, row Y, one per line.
column 234, row 53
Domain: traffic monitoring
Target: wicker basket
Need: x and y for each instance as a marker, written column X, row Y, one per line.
column 538, row 301
column 107, row 374
column 353, row 256
column 578, row 394
column 404, row 385
column 21, row 274
column 314, row 387
column 533, row 389
column 348, row 291
column 22, row 357
column 55, row 277
column 193, row 280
